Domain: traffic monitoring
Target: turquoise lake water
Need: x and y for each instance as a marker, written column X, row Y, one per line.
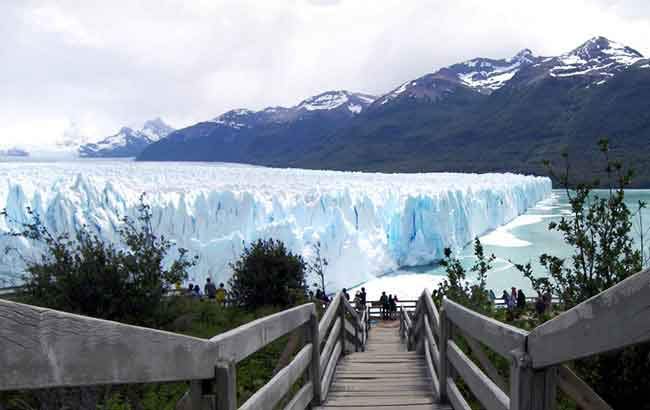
column 521, row 241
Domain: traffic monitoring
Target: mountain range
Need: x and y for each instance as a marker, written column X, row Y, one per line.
column 480, row 115
column 127, row 142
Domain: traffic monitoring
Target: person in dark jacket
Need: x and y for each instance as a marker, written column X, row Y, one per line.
column 209, row 289
column 383, row 301
column 521, row 299
column 392, row 301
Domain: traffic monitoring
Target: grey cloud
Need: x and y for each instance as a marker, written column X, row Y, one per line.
column 102, row 65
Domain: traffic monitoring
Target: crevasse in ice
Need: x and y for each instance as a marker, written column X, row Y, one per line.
column 367, row 223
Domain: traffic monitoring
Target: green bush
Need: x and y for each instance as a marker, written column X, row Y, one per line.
column 267, row 274
column 599, row 230
column 122, row 282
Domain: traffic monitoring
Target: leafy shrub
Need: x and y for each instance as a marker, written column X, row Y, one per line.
column 456, row 287
column 268, row 274
column 88, row 276
column 604, row 253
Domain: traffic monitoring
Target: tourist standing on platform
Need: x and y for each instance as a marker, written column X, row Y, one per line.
column 383, row 301
column 221, row 295
column 209, row 289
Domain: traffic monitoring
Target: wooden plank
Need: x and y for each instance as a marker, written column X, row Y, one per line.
column 225, row 383
column 301, row 400
column 356, row 321
column 500, row 337
column 521, row 381
column 42, row 348
column 579, row 391
column 485, row 390
column 328, row 317
column 622, row 313
column 486, row 363
column 329, row 371
column 350, row 332
column 456, row 399
column 435, row 384
column 407, row 407
column 314, row 371
column 329, row 346
column 379, row 387
column 433, row 349
column 237, row 344
column 410, row 393
column 430, row 308
column 372, row 402
column 273, row 391
column 443, row 366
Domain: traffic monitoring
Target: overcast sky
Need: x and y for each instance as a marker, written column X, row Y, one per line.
column 98, row 65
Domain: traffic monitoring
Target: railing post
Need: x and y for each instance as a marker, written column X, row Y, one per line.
column 226, row 386
column 356, row 337
column 521, row 381
column 196, row 394
column 442, row 365
column 342, row 314
column 314, row 369
column 531, row 389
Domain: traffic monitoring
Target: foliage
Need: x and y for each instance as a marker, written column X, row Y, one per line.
column 599, row 230
column 90, row 277
column 317, row 266
column 267, row 274
column 456, row 286
column 642, row 232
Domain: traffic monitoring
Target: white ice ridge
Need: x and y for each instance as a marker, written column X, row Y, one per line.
column 367, row 223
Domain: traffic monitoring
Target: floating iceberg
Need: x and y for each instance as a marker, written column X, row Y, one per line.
column 367, row 223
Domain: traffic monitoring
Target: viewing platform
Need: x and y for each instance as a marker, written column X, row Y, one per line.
column 348, row 360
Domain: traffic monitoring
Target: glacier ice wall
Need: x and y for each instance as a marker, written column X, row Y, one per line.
column 367, row 223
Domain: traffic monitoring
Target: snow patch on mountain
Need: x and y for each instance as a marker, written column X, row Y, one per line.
column 488, row 75
column 127, row 142
column 367, row 223
column 598, row 58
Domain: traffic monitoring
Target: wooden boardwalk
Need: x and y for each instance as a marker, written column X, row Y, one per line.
column 385, row 376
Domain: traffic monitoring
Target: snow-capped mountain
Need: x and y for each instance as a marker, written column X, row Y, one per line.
column 339, row 102
column 127, row 142
column 598, row 59
column 13, row 152
column 484, row 75
column 244, row 135
column 332, row 100
column 483, row 114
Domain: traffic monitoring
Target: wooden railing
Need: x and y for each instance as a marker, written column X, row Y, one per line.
column 42, row 348
column 616, row 318
column 375, row 308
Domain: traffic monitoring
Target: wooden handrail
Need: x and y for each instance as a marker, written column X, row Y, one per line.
column 484, row 389
column 271, row 393
column 329, row 316
column 42, row 348
column 620, row 312
column 498, row 336
column 576, row 388
column 237, row 344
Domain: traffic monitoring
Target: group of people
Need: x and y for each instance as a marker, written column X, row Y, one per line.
column 516, row 301
column 388, row 306
column 210, row 291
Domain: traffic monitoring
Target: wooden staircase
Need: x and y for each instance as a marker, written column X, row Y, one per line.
column 386, row 376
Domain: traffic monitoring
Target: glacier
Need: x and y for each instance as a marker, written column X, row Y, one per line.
column 367, row 223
